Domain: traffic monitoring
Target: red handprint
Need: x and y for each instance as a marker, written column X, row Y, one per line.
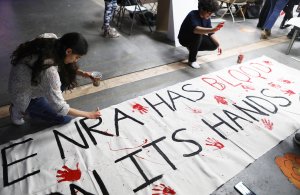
column 68, row 174
column 267, row 62
column 221, row 100
column 162, row 189
column 289, row 92
column 214, row 142
column 267, row 123
column 140, row 108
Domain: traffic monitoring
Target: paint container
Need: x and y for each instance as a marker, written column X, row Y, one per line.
column 240, row 58
column 96, row 76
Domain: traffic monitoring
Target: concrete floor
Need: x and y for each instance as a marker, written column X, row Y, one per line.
column 21, row 20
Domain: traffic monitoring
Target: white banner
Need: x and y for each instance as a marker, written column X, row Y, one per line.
column 189, row 138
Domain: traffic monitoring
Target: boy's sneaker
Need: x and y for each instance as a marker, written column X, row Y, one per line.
column 111, row 33
column 15, row 116
column 297, row 138
column 194, row 64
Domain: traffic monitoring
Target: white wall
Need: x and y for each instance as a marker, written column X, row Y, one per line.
column 177, row 12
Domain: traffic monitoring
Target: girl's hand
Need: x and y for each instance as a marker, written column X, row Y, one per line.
column 94, row 114
column 87, row 74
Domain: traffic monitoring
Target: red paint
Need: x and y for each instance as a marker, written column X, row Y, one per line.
column 274, row 85
column 220, row 25
column 249, row 71
column 68, row 174
column 145, row 141
column 240, row 76
column 289, row 92
column 143, row 158
column 140, row 108
column 195, row 110
column 286, row 81
column 231, row 83
column 267, row 62
column 267, row 123
column 247, row 87
column 261, row 67
column 221, row 100
column 162, row 189
column 213, row 142
column 236, row 77
column 214, row 83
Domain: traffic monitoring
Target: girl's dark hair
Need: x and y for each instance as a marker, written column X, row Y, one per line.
column 75, row 41
column 208, row 5
column 79, row 46
column 54, row 49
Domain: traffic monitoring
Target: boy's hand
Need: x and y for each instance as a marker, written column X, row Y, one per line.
column 220, row 25
column 219, row 51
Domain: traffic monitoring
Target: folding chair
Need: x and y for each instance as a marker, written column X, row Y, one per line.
column 295, row 22
column 133, row 10
column 234, row 3
column 151, row 5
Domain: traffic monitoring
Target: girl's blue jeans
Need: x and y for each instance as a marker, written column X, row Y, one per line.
column 39, row 108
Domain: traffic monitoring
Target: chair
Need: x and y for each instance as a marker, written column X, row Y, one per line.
column 133, row 10
column 233, row 3
column 152, row 5
column 295, row 22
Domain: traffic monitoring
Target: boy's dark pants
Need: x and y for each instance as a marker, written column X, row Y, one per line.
column 197, row 43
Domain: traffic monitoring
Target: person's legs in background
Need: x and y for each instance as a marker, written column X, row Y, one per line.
column 288, row 10
column 264, row 13
column 39, row 108
column 272, row 17
column 108, row 31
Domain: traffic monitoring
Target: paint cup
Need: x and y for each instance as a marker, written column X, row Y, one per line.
column 240, row 58
column 96, row 76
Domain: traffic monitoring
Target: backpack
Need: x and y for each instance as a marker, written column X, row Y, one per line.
column 251, row 10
